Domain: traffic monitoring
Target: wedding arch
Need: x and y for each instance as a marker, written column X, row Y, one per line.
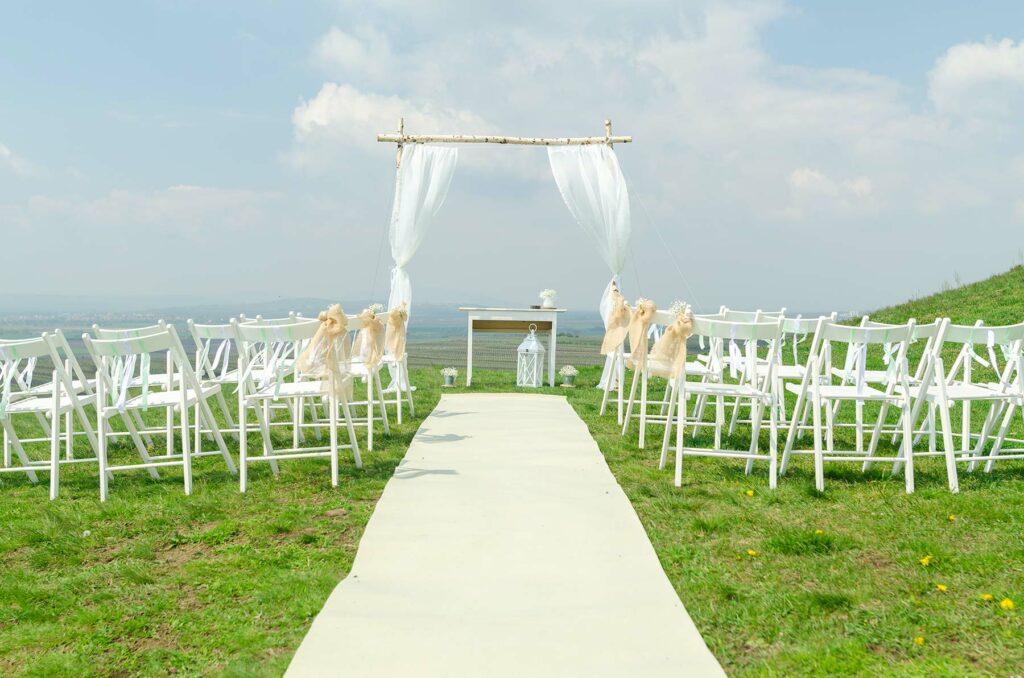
column 585, row 169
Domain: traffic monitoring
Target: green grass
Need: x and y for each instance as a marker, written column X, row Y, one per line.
column 225, row 584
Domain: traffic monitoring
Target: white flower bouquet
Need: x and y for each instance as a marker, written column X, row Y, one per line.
column 568, row 371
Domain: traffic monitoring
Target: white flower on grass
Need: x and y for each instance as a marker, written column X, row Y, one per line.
column 568, row 371
column 87, row 533
column 449, row 372
column 548, row 294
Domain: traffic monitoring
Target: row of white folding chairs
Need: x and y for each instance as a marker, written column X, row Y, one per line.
column 901, row 390
column 123, row 371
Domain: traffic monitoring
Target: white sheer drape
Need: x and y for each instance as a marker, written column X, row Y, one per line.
column 594, row 190
column 421, row 187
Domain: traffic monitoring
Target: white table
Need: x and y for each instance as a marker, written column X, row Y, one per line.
column 511, row 320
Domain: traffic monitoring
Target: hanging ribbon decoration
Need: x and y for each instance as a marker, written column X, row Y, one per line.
column 394, row 335
column 326, row 356
column 638, row 327
column 670, row 348
column 370, row 340
column 617, row 326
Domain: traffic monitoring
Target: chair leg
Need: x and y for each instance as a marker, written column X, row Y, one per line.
column 369, row 412
column 673, row 411
column 69, row 435
column 908, row 444
column 229, row 420
column 332, row 405
column 381, row 405
column 54, row 452
column 268, row 446
column 629, row 403
column 986, row 431
column 756, row 415
column 876, row 434
column 101, row 457
column 773, row 449
column 997, row 446
column 353, row 441
column 243, row 443
column 186, row 452
column 819, row 463
column 643, row 407
column 679, row 445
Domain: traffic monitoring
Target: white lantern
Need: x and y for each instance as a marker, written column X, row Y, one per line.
column 530, row 364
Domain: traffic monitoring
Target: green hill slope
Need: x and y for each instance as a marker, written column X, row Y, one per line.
column 999, row 300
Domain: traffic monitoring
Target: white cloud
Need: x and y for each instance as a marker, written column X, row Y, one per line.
column 13, row 162
column 979, row 79
column 195, row 212
column 362, row 54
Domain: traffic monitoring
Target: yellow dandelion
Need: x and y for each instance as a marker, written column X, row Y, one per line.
column 750, row 493
column 952, row 517
column 926, row 561
column 919, row 640
column 1006, row 604
column 753, row 554
column 987, row 597
column 941, row 587
column 819, row 532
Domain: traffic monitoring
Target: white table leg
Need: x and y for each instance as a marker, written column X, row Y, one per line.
column 469, row 351
column 551, row 349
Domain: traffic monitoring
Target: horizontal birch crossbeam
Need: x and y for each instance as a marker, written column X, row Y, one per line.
column 487, row 139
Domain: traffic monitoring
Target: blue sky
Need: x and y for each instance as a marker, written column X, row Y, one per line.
column 226, row 149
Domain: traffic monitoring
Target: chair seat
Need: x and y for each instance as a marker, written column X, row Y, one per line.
column 38, row 404
column 47, row 389
column 720, row 389
column 159, row 380
column 167, row 398
column 787, row 372
column 870, row 376
column 290, row 389
column 963, row 392
column 845, row 392
column 663, row 368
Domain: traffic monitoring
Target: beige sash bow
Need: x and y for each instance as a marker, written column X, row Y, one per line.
column 370, row 340
column 618, row 323
column 670, row 349
column 326, row 356
column 394, row 335
column 638, row 326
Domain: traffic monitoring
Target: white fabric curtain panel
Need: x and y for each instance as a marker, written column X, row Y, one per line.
column 421, row 187
column 594, row 190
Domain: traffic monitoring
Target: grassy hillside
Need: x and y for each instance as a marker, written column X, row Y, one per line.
column 998, row 300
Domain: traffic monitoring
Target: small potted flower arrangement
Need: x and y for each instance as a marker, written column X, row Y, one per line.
column 449, row 374
column 548, row 298
column 568, row 373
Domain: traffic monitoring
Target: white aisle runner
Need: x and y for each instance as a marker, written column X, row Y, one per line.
column 504, row 547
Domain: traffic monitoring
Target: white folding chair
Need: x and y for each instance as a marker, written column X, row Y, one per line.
column 398, row 368
column 213, row 364
column 272, row 385
column 959, row 387
column 757, row 389
column 62, row 399
column 116, row 361
column 816, row 388
column 375, row 400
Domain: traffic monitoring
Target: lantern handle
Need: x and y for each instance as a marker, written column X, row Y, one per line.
column 533, row 328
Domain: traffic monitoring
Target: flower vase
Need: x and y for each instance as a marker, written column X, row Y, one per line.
column 547, row 302
column 449, row 380
column 569, row 380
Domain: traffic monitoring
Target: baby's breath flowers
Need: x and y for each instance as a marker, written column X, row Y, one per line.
column 568, row 371
column 449, row 372
column 548, row 294
column 679, row 308
column 376, row 308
